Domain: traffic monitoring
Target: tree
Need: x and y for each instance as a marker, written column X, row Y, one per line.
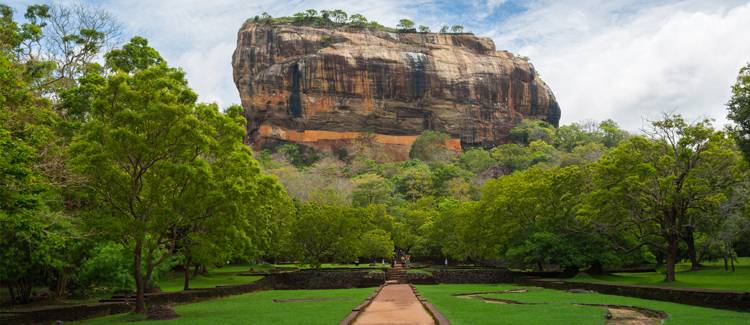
column 476, row 160
column 414, row 180
column 530, row 130
column 430, row 146
column 405, row 24
column 444, row 29
column 371, row 189
column 739, row 110
column 339, row 16
column 326, row 233
column 74, row 36
column 357, row 20
column 424, row 29
column 142, row 127
column 27, row 243
column 376, row 243
column 222, row 202
column 311, row 13
column 457, row 29
column 649, row 186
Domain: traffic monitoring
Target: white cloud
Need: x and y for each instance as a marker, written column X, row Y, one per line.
column 613, row 60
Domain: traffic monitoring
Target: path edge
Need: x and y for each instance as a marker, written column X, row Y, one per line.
column 356, row 311
column 434, row 312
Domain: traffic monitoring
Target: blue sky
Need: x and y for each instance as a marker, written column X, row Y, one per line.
column 629, row 60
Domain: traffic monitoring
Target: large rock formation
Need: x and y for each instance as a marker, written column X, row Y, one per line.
column 325, row 87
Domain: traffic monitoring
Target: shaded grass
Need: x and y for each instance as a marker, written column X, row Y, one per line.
column 259, row 308
column 712, row 276
column 229, row 275
column 557, row 307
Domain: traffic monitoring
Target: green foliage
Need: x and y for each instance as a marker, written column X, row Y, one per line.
column 28, row 246
column 107, row 269
column 371, row 189
column 430, row 146
column 134, row 56
column 376, row 243
column 298, row 155
column 476, row 160
column 405, row 24
column 326, row 233
column 739, row 110
column 457, row 29
column 529, row 131
column 414, row 180
column 338, row 18
column 655, row 184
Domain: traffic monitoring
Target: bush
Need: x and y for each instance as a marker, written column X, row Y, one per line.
column 108, row 269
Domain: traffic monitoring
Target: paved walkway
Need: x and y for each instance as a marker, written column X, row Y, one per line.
column 395, row 304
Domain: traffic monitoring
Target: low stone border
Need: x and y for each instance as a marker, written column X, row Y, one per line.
column 436, row 315
column 731, row 300
column 356, row 311
column 462, row 275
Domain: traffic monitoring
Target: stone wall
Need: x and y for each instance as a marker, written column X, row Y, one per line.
column 707, row 298
column 319, row 279
column 462, row 276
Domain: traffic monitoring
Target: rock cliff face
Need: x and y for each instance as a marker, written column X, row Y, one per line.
column 325, row 87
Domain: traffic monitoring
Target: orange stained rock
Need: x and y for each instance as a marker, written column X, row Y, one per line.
column 312, row 136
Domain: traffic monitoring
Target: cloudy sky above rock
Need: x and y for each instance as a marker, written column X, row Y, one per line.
column 629, row 60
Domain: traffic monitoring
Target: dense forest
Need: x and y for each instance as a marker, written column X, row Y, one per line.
column 112, row 173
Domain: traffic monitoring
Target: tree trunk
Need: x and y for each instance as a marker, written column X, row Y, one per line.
column 671, row 259
column 186, row 271
column 726, row 264
column 140, row 298
column 690, row 241
column 596, row 268
column 62, row 282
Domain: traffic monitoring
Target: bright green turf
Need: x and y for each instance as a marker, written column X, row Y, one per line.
column 712, row 276
column 558, row 307
column 259, row 308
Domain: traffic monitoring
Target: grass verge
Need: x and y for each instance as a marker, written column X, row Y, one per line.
column 260, row 308
column 546, row 306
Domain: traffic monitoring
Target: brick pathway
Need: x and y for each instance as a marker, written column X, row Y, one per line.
column 395, row 304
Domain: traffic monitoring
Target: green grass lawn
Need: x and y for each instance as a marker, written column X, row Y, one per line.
column 259, row 308
column 712, row 276
column 557, row 307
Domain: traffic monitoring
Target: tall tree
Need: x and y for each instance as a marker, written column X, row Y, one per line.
column 142, row 126
column 739, row 109
column 650, row 185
